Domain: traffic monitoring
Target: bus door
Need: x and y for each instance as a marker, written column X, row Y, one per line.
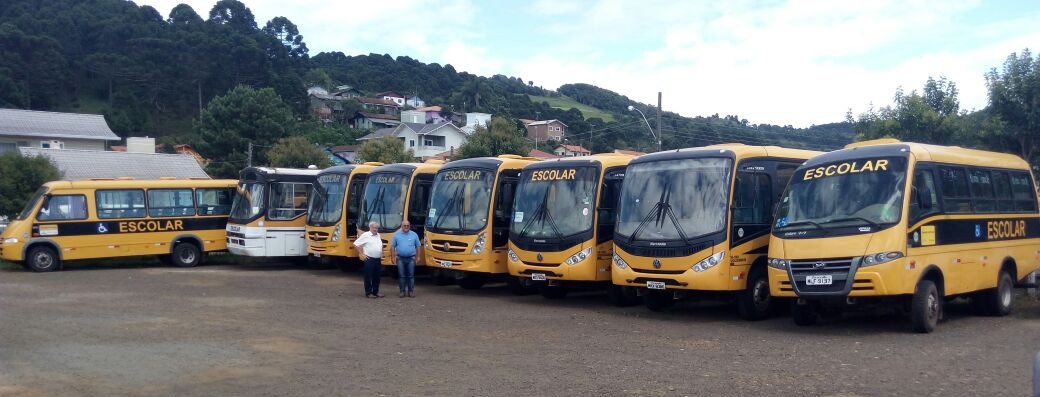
column 502, row 215
column 419, row 206
column 606, row 209
column 355, row 192
column 751, row 211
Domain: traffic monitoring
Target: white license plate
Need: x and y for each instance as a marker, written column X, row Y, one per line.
column 538, row 276
column 655, row 284
column 445, row 263
column 818, row 280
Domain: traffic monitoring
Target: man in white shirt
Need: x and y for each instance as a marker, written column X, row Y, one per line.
column 370, row 248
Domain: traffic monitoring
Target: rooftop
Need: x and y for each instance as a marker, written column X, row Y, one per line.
column 16, row 122
column 86, row 164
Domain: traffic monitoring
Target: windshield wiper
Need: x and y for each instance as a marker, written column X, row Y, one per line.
column 658, row 212
column 379, row 206
column 542, row 214
column 450, row 205
column 855, row 218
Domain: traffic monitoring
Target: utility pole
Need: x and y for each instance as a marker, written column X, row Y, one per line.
column 660, row 134
column 249, row 154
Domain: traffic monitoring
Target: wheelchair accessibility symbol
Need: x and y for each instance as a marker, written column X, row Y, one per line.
column 978, row 231
column 101, row 228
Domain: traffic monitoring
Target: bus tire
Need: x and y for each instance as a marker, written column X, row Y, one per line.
column 185, row 255
column 805, row 314
column 658, row 300
column 554, row 292
column 621, row 296
column 997, row 301
column 925, row 307
column 42, row 258
column 471, row 281
column 754, row 302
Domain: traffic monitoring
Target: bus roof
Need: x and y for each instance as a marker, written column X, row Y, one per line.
column 140, row 184
column 737, row 150
column 926, row 152
column 504, row 161
column 409, row 168
column 282, row 171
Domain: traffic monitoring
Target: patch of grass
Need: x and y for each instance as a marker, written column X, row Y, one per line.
column 566, row 103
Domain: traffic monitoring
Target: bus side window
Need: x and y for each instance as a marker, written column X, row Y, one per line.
column 1002, row 189
column 63, row 208
column 784, row 172
column 1022, row 189
column 982, row 190
column 288, row 200
column 214, row 201
column 956, row 198
column 924, row 199
column 503, row 210
column 752, row 199
column 120, row 203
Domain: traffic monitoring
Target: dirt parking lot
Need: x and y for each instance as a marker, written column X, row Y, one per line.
column 271, row 329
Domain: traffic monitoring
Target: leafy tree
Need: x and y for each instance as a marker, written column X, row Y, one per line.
column 229, row 123
column 331, row 135
column 32, row 65
column 297, row 152
column 183, row 14
column 929, row 118
column 288, row 34
column 233, row 13
column 385, row 150
column 1014, row 97
column 501, row 137
column 318, row 77
column 21, row 176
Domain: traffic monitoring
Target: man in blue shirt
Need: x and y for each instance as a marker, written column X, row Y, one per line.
column 403, row 248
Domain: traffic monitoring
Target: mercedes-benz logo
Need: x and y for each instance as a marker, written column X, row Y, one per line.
column 657, row 263
column 446, row 246
column 540, row 257
column 818, row 265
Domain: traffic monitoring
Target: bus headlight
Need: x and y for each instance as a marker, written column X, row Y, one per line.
column 335, row 233
column 620, row 263
column 478, row 246
column 512, row 256
column 877, row 259
column 709, row 262
column 11, row 240
column 580, row 256
column 778, row 263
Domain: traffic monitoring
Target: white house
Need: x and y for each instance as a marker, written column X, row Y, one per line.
column 392, row 96
column 415, row 102
column 413, row 116
column 563, row 150
column 473, row 120
column 425, row 140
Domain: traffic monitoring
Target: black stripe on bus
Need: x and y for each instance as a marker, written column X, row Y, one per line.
column 966, row 231
column 130, row 226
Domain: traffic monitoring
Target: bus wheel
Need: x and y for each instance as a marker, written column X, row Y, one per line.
column 555, row 292
column 658, row 300
column 754, row 302
column 471, row 281
column 42, row 258
column 185, row 255
column 621, row 296
column 996, row 301
column 804, row 314
column 926, row 307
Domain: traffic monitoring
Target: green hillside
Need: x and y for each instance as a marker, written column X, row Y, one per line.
column 566, row 103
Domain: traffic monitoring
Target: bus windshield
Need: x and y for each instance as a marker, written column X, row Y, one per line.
column 848, row 193
column 460, row 200
column 554, row 203
column 384, row 200
column 674, row 200
column 35, row 199
column 248, row 203
column 326, row 206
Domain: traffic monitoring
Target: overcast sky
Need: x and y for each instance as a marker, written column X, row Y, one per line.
column 776, row 62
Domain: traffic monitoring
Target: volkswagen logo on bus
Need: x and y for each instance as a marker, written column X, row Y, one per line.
column 818, row 265
column 539, row 257
column 657, row 263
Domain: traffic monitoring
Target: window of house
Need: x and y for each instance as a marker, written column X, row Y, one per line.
column 214, row 201
column 63, row 208
column 125, row 203
column 171, row 202
column 7, row 147
column 288, row 200
column 411, row 143
column 428, row 142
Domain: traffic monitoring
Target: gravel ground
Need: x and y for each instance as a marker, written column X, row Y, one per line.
column 271, row 329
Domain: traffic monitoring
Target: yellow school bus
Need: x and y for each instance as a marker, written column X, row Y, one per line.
column 694, row 223
column 178, row 219
column 905, row 225
column 563, row 224
column 394, row 191
column 268, row 214
column 334, row 210
column 467, row 230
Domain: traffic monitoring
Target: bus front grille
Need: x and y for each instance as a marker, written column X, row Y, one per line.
column 448, row 246
column 318, row 236
column 840, row 270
